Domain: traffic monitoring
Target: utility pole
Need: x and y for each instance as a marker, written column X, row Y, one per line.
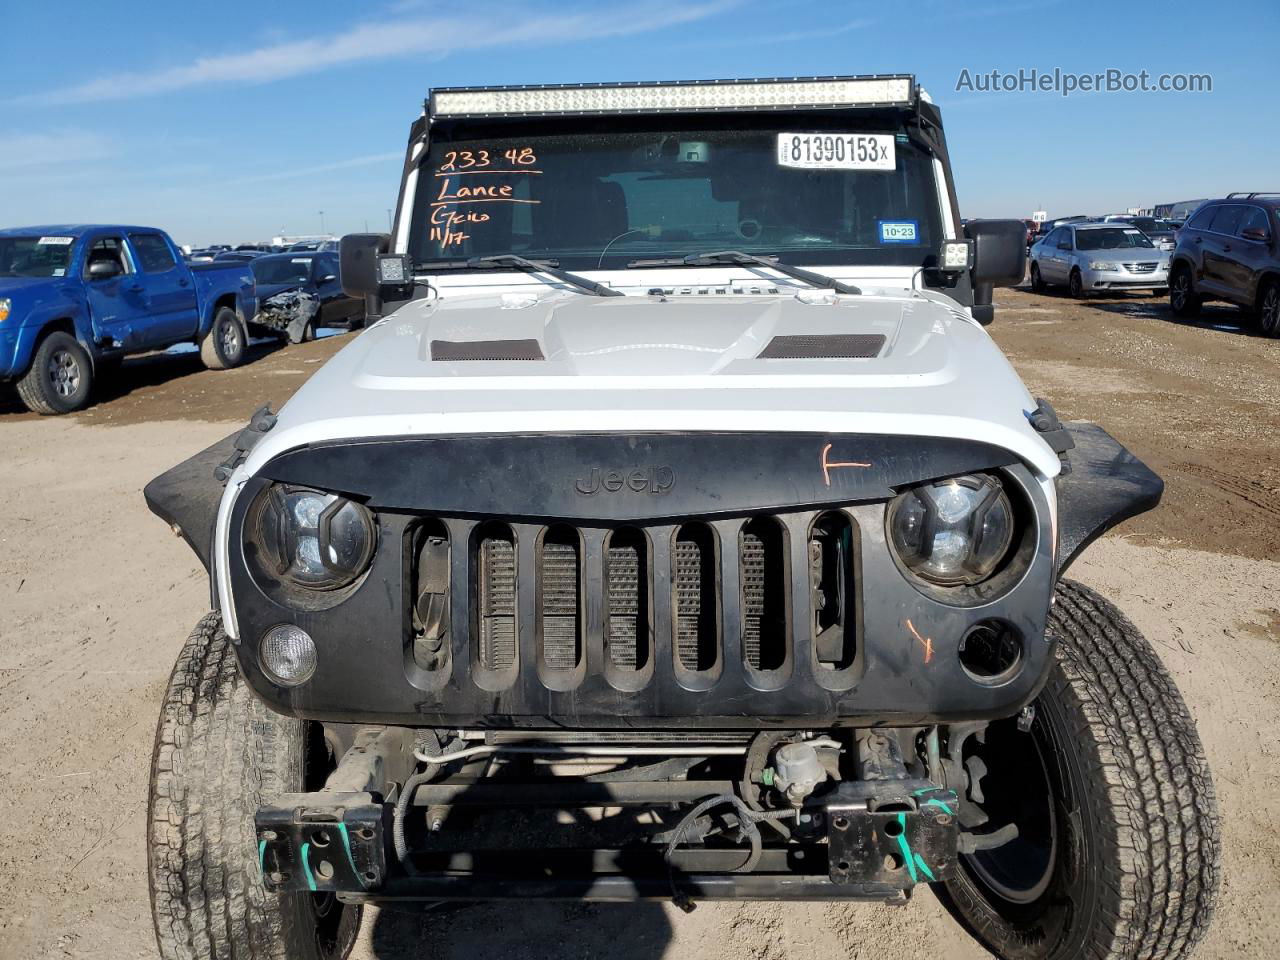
column 389, row 223
column 322, row 221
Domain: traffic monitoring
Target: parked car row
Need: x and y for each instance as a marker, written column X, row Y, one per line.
column 1227, row 250
column 250, row 251
column 76, row 299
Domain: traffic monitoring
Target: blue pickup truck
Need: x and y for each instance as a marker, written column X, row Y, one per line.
column 74, row 300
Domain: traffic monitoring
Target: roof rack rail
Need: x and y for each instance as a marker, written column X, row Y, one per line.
column 1244, row 195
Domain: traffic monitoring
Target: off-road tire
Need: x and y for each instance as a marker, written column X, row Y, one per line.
column 1269, row 309
column 227, row 343
column 218, row 753
column 1183, row 299
column 45, row 392
column 1037, row 281
column 1137, row 875
column 1075, row 285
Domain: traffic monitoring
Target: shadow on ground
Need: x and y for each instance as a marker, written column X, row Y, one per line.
column 1213, row 316
column 522, row 930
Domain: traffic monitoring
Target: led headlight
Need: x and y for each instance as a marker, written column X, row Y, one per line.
column 952, row 532
column 307, row 538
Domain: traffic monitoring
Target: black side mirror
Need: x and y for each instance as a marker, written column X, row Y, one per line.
column 104, row 269
column 999, row 258
column 358, row 262
column 1000, row 251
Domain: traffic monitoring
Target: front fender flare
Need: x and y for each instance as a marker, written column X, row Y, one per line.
column 1106, row 485
column 187, row 496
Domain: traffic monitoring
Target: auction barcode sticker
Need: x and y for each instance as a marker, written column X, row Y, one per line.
column 54, row 241
column 837, row 151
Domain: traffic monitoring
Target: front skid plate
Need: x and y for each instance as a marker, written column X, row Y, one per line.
column 882, row 838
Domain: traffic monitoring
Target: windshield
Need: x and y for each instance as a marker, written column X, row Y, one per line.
column 35, row 256
column 1111, row 238
column 284, row 270
column 1147, row 224
column 856, row 193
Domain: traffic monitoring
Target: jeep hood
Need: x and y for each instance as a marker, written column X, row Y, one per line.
column 648, row 364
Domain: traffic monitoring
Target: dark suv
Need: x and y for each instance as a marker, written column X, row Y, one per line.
column 1228, row 251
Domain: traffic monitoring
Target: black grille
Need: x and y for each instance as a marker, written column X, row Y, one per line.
column 486, row 350
column 837, row 346
column 560, row 603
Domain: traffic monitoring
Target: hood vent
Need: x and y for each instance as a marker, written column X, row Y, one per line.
column 834, row 346
column 486, row 350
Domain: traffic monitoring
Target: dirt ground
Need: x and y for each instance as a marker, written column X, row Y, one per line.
column 96, row 597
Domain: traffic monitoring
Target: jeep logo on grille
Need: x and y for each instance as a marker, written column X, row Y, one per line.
column 653, row 480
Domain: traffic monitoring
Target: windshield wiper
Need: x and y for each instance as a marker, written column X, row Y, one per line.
column 510, row 260
column 738, row 257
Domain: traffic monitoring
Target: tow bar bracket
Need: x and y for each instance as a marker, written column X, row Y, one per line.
column 321, row 842
column 893, row 832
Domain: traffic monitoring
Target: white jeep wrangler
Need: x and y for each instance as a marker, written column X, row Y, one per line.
column 677, row 532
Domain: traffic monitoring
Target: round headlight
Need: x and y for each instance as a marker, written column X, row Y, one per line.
column 308, row 538
column 952, row 532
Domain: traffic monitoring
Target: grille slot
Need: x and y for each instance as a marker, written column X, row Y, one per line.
column 559, row 570
column 627, row 599
column 764, row 608
column 694, row 591
column 831, row 593
column 497, row 599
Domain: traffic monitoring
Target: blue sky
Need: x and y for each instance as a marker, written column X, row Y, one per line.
column 232, row 121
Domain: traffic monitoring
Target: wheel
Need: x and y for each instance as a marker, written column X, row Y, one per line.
column 226, row 343
column 1183, row 299
column 218, row 750
column 1037, row 281
column 1269, row 309
column 1117, row 850
column 1075, row 284
column 61, row 376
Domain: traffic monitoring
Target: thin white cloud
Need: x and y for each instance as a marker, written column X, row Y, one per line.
column 39, row 151
column 439, row 36
column 295, row 172
column 792, row 36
